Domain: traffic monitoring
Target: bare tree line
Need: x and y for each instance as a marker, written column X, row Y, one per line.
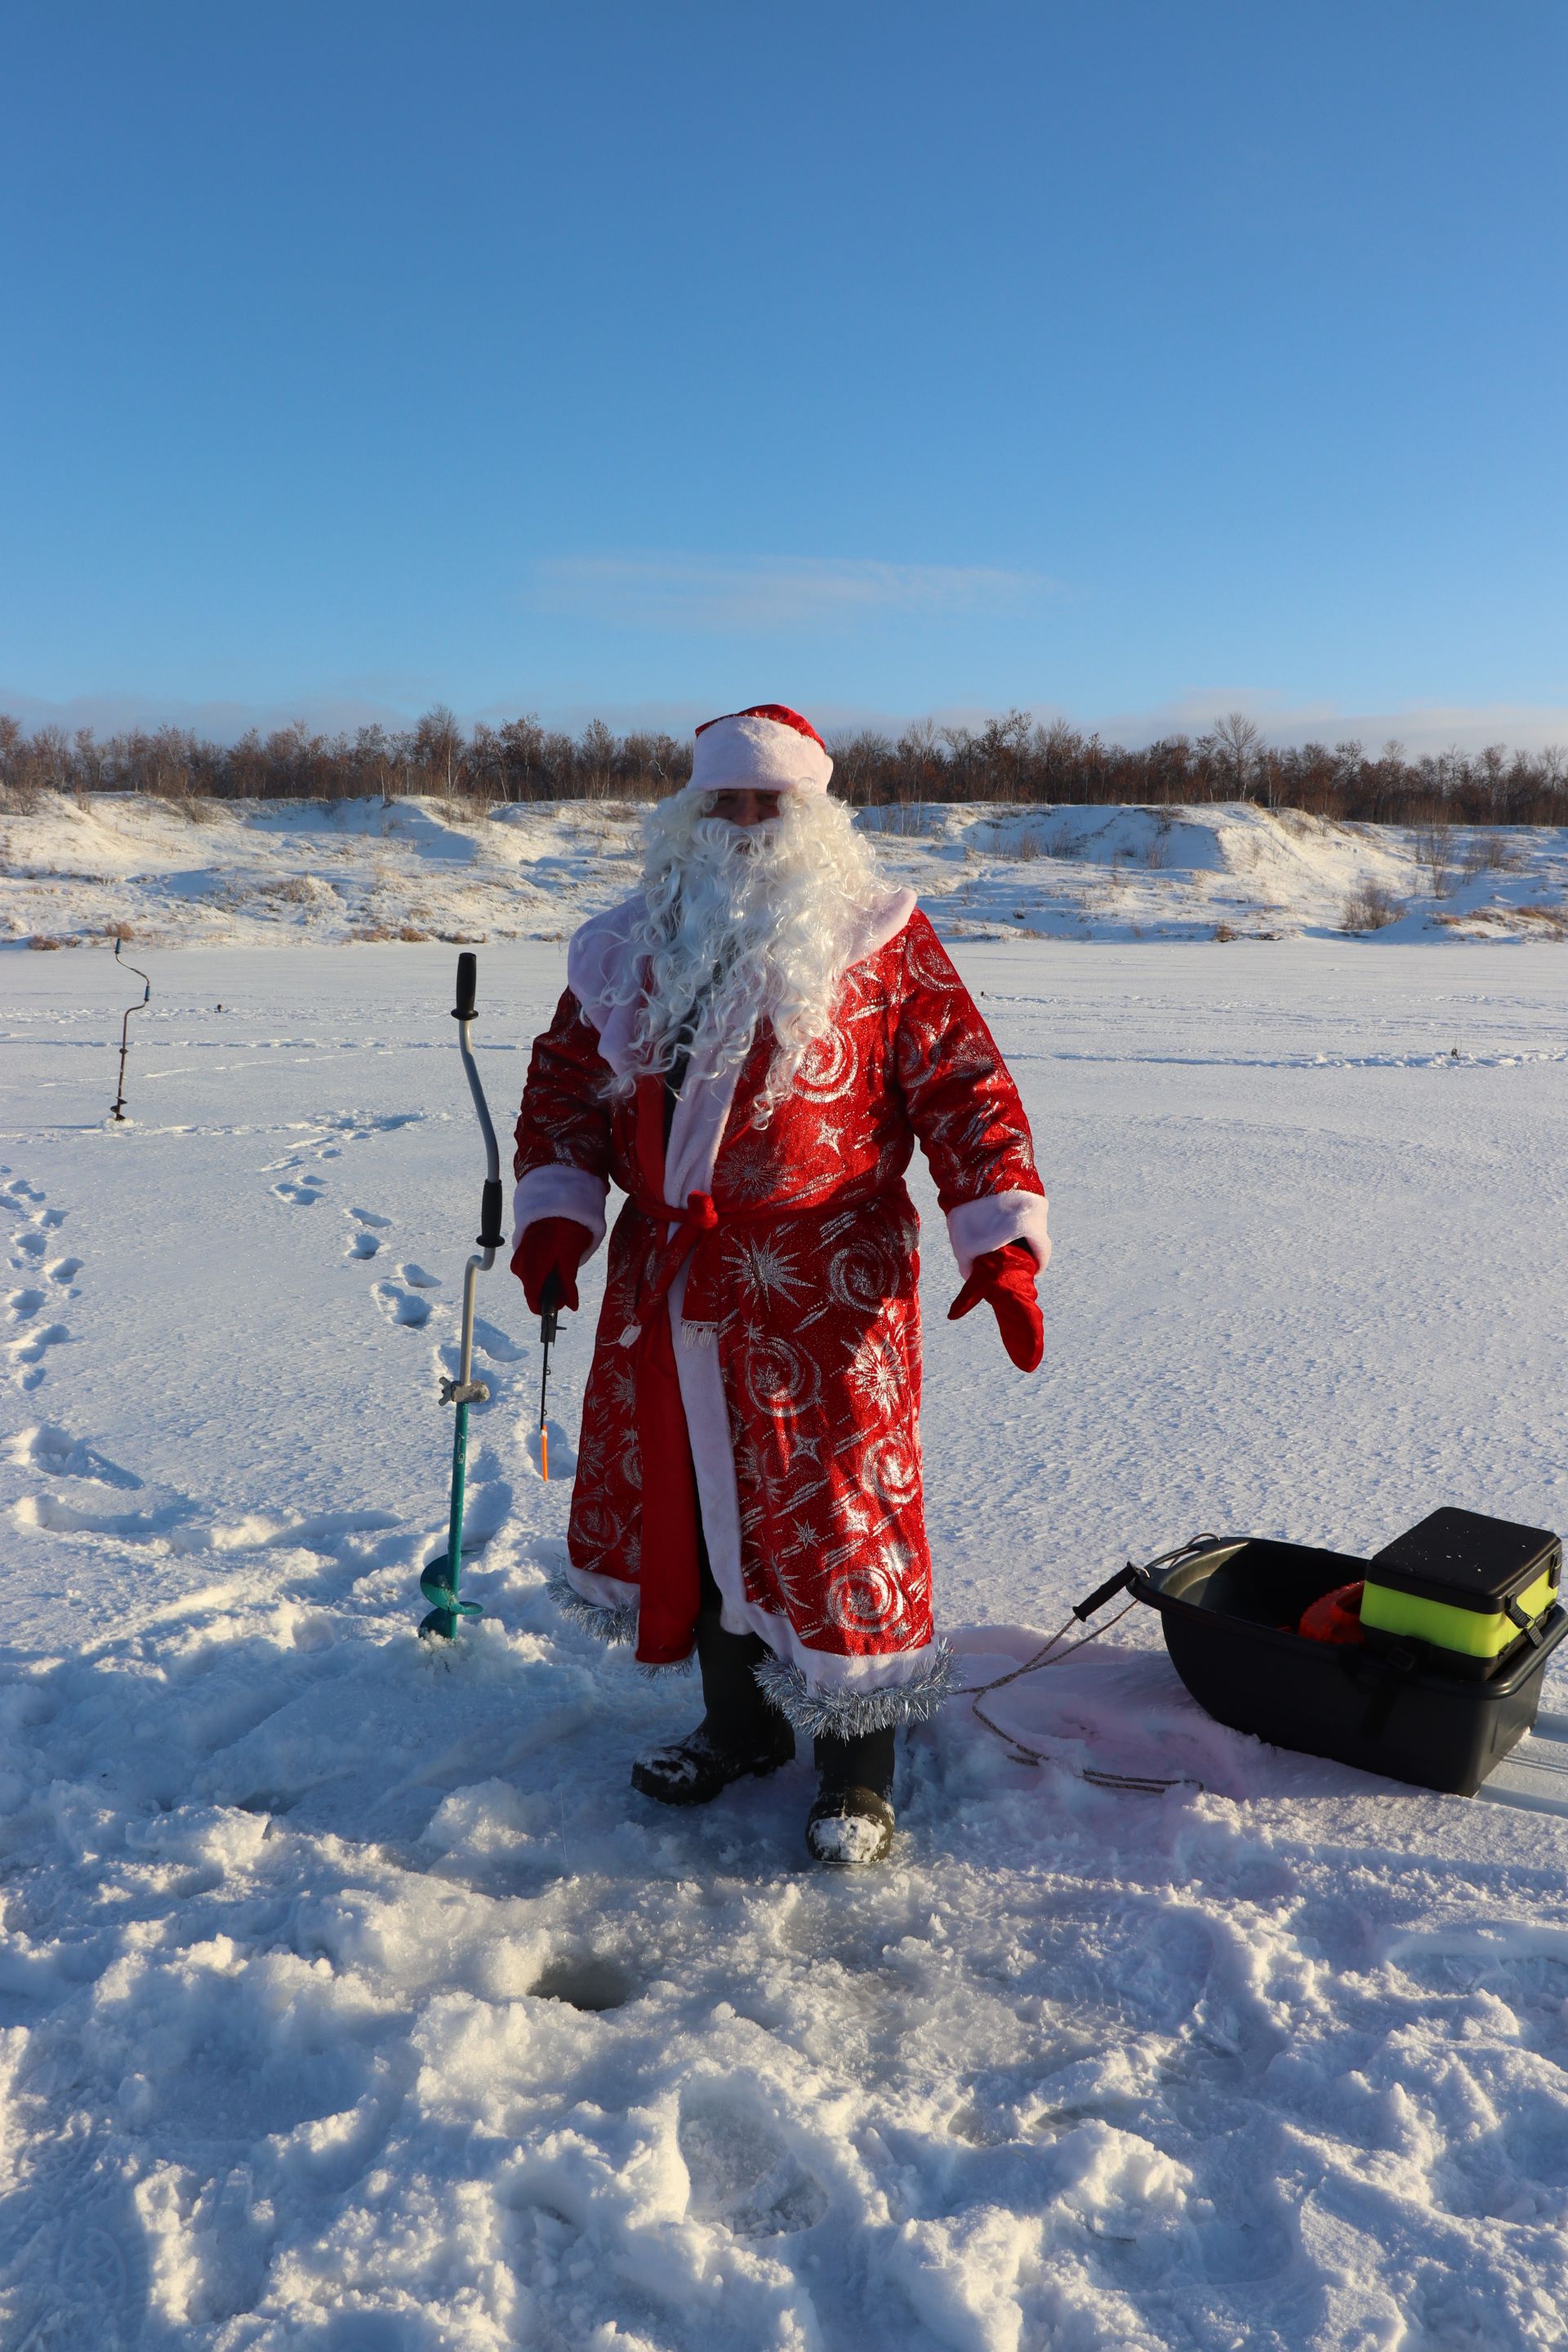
column 1012, row 759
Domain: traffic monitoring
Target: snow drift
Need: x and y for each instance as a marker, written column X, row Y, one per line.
column 272, row 872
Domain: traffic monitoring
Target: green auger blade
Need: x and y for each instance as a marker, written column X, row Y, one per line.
column 436, row 1584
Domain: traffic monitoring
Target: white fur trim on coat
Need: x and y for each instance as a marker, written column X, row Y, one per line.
column 996, row 1218
column 557, row 1191
column 765, row 754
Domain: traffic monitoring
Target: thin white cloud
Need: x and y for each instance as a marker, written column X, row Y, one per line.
column 1418, row 726
column 726, row 594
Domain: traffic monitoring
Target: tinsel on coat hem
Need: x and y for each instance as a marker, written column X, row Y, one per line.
column 616, row 1628
column 611, row 1626
column 847, row 1714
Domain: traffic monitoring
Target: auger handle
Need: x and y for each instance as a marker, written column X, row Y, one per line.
column 127, row 965
column 492, row 1234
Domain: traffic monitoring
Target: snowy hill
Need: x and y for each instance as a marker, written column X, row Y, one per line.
column 281, row 873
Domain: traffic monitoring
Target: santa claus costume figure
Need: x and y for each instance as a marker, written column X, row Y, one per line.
column 749, row 1049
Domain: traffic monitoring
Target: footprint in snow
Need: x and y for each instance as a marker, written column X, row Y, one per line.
column 365, row 1242
column 64, row 1270
column 24, row 1304
column 401, row 1306
column 30, row 1247
column 302, row 1194
column 62, row 1518
column 58, row 1455
column 494, row 1343
column 417, row 1278
column 100, row 2285
column 744, row 2176
column 27, row 1355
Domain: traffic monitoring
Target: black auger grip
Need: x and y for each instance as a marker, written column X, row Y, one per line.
column 467, row 986
column 490, row 1236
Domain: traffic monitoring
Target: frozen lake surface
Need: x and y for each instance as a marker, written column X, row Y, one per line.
column 349, row 2001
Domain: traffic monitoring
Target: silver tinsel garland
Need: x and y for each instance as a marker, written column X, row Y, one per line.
column 611, row 1626
column 842, row 1714
column 845, row 1714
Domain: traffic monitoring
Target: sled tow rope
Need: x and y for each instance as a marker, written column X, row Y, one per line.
column 1138, row 1784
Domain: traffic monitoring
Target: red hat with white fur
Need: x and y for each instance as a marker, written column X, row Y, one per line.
column 768, row 748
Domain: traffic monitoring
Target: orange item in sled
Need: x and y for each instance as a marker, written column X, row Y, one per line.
column 1335, row 1617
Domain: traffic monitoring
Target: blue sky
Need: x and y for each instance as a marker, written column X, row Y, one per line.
column 1134, row 361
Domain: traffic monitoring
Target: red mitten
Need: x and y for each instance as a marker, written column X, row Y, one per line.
column 1005, row 1278
column 555, row 1245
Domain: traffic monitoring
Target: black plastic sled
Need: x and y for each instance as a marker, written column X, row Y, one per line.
column 1229, row 1610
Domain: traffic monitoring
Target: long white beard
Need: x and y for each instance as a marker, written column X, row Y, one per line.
column 745, row 926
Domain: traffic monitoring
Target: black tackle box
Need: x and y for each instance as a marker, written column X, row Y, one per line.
column 1471, row 1586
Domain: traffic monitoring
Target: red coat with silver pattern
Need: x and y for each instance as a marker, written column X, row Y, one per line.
column 806, row 1289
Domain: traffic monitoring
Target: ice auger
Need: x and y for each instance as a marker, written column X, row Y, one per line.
column 118, row 1110
column 441, row 1580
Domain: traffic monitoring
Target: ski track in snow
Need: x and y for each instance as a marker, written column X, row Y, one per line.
column 350, row 2000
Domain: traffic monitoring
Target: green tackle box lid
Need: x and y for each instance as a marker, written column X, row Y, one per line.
column 1465, row 1560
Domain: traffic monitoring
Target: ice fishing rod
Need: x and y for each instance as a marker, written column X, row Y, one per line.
column 118, row 1110
column 549, row 1326
column 441, row 1580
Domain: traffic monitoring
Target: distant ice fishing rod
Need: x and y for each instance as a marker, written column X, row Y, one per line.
column 442, row 1578
column 118, row 1110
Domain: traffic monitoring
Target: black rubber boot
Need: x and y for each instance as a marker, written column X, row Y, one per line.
column 740, row 1737
column 847, row 1827
column 864, row 1762
column 852, row 1820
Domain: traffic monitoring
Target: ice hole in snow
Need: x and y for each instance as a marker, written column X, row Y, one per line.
column 586, row 1980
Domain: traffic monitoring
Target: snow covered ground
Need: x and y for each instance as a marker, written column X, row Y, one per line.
column 350, row 2001
column 257, row 873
